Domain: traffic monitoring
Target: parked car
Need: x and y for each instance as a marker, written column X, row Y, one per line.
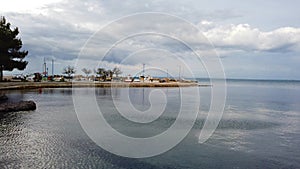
column 20, row 77
column 30, row 77
column 136, row 79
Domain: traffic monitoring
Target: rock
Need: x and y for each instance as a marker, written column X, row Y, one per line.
column 3, row 98
column 20, row 106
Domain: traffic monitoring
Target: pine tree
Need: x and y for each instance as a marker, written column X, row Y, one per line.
column 10, row 45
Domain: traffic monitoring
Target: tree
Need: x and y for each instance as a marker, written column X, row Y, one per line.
column 69, row 70
column 10, row 45
column 86, row 71
column 110, row 73
column 37, row 77
column 116, row 71
column 102, row 73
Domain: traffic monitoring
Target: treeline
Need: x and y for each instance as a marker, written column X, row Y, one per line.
column 104, row 74
column 101, row 73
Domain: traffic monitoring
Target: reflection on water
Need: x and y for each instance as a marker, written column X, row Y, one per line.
column 260, row 129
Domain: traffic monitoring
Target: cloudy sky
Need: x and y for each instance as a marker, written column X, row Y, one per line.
column 254, row 39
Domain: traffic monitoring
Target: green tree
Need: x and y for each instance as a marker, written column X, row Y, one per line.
column 69, row 70
column 102, row 73
column 10, row 45
column 110, row 73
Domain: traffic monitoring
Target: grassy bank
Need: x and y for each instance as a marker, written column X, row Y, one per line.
column 34, row 85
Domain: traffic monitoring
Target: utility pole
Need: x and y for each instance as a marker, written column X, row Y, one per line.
column 182, row 73
column 167, row 74
column 45, row 68
column 143, row 69
column 143, row 72
column 52, row 68
column 179, row 72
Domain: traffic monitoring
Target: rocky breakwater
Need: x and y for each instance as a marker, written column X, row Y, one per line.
column 3, row 98
column 6, row 107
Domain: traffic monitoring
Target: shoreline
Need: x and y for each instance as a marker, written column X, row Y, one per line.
column 36, row 85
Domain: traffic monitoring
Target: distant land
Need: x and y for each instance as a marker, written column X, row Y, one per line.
column 36, row 85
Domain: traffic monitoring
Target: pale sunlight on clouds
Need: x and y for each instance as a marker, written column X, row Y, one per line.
column 30, row 6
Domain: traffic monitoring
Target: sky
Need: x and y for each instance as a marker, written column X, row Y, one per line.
column 254, row 39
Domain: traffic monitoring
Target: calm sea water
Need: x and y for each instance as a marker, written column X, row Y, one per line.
column 260, row 128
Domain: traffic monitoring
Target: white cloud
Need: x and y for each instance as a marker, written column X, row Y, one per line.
column 205, row 22
column 59, row 28
column 243, row 36
column 30, row 6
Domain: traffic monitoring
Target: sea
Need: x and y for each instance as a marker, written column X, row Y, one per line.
column 259, row 128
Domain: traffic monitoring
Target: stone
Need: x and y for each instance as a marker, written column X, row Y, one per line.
column 20, row 106
column 3, row 98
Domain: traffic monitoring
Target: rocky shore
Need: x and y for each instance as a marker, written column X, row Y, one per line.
column 20, row 106
column 3, row 98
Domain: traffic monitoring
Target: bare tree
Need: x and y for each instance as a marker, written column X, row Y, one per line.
column 69, row 70
column 117, row 71
column 86, row 71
